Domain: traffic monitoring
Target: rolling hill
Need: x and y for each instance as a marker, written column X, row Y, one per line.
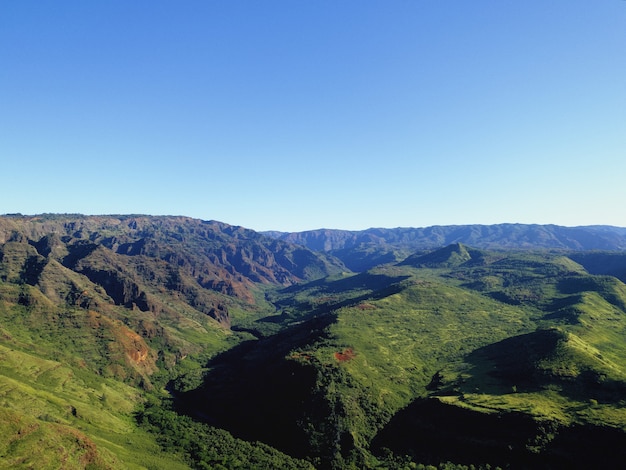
column 122, row 303
column 169, row 342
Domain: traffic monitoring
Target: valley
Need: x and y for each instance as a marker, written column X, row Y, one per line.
column 169, row 342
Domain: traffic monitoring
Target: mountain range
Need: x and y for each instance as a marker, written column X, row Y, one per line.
column 132, row 341
column 367, row 248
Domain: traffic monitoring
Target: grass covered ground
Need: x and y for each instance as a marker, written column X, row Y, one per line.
column 54, row 416
column 451, row 356
column 492, row 333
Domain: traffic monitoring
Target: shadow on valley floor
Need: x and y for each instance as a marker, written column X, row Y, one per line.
column 321, row 297
column 257, row 393
column 432, row 432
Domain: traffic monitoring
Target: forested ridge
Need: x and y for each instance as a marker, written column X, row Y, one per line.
column 168, row 342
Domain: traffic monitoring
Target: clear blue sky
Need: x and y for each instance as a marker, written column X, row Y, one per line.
column 302, row 114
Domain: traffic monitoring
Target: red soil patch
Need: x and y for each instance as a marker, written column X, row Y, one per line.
column 366, row 306
column 347, row 355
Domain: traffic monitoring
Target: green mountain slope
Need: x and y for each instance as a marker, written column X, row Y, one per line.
column 451, row 256
column 529, row 400
column 167, row 342
column 98, row 313
column 480, row 335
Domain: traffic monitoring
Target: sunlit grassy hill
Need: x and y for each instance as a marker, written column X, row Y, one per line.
column 98, row 313
column 499, row 334
column 64, row 403
column 168, row 342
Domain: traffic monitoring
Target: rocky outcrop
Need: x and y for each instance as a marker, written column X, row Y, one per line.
column 137, row 260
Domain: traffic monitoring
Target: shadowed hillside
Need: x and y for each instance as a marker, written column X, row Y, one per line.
column 387, row 360
column 167, row 342
column 127, row 300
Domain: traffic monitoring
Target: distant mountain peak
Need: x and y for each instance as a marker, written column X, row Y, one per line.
column 452, row 255
column 361, row 250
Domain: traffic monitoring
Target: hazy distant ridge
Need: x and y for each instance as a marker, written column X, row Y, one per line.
column 364, row 249
column 522, row 236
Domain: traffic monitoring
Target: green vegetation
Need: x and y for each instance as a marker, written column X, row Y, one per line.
column 369, row 346
column 137, row 342
column 94, row 322
column 203, row 446
column 59, row 416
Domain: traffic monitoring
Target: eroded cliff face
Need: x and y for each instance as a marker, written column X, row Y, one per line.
column 127, row 345
column 222, row 258
column 129, row 282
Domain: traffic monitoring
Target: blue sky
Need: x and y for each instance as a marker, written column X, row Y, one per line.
column 301, row 114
